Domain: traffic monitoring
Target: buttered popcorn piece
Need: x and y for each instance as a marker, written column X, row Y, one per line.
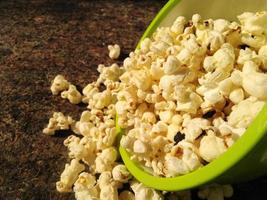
column 59, row 84
column 58, row 122
column 69, row 175
column 72, row 94
column 114, row 51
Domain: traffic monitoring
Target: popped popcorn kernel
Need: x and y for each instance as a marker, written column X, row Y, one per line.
column 58, row 122
column 59, row 84
column 114, row 51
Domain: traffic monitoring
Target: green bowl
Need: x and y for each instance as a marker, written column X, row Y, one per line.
column 247, row 158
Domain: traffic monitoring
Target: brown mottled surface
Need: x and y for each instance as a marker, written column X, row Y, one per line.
column 38, row 40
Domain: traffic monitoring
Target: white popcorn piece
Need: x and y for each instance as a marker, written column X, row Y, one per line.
column 171, row 66
column 85, row 188
column 139, row 147
column 89, row 92
column 263, row 56
column 121, row 174
column 160, row 127
column 213, row 142
column 82, row 149
column 126, row 195
column 221, row 25
column 141, row 79
column 72, row 94
column 105, row 160
column 69, row 175
column 109, row 192
column 237, row 96
column 58, row 122
column 244, row 112
column 254, row 82
column 175, row 166
column 178, row 25
column 113, row 72
column 194, row 127
column 59, row 84
column 149, row 117
column 114, row 51
column 166, row 116
column 145, row 45
column 102, row 99
column 144, row 193
column 247, row 55
column 156, row 69
column 253, row 23
column 172, row 131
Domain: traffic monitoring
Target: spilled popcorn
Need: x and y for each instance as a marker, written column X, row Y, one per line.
column 184, row 97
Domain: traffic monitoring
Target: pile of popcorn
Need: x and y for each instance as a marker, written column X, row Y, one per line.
column 183, row 98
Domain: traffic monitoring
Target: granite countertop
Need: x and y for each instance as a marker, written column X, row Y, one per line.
column 38, row 40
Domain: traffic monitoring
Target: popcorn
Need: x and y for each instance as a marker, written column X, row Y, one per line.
column 194, row 127
column 253, row 26
column 263, row 56
column 105, row 160
column 58, row 122
column 178, row 25
column 166, row 116
column 213, row 142
column 183, row 98
column 109, row 192
column 82, row 149
column 244, row 112
column 139, row 147
column 85, row 188
column 59, row 84
column 237, row 96
column 156, row 69
column 247, row 55
column 121, row 174
column 114, row 51
column 144, row 193
column 72, row 94
column 254, row 82
column 113, row 72
column 171, row 65
column 145, row 45
column 253, row 23
column 221, row 25
column 126, row 195
column 69, row 175
column 149, row 117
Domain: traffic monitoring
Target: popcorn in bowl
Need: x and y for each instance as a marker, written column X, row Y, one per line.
column 183, row 98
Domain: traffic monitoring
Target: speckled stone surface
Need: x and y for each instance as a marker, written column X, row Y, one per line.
column 38, row 40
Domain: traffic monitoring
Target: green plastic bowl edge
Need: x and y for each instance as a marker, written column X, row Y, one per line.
column 214, row 169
